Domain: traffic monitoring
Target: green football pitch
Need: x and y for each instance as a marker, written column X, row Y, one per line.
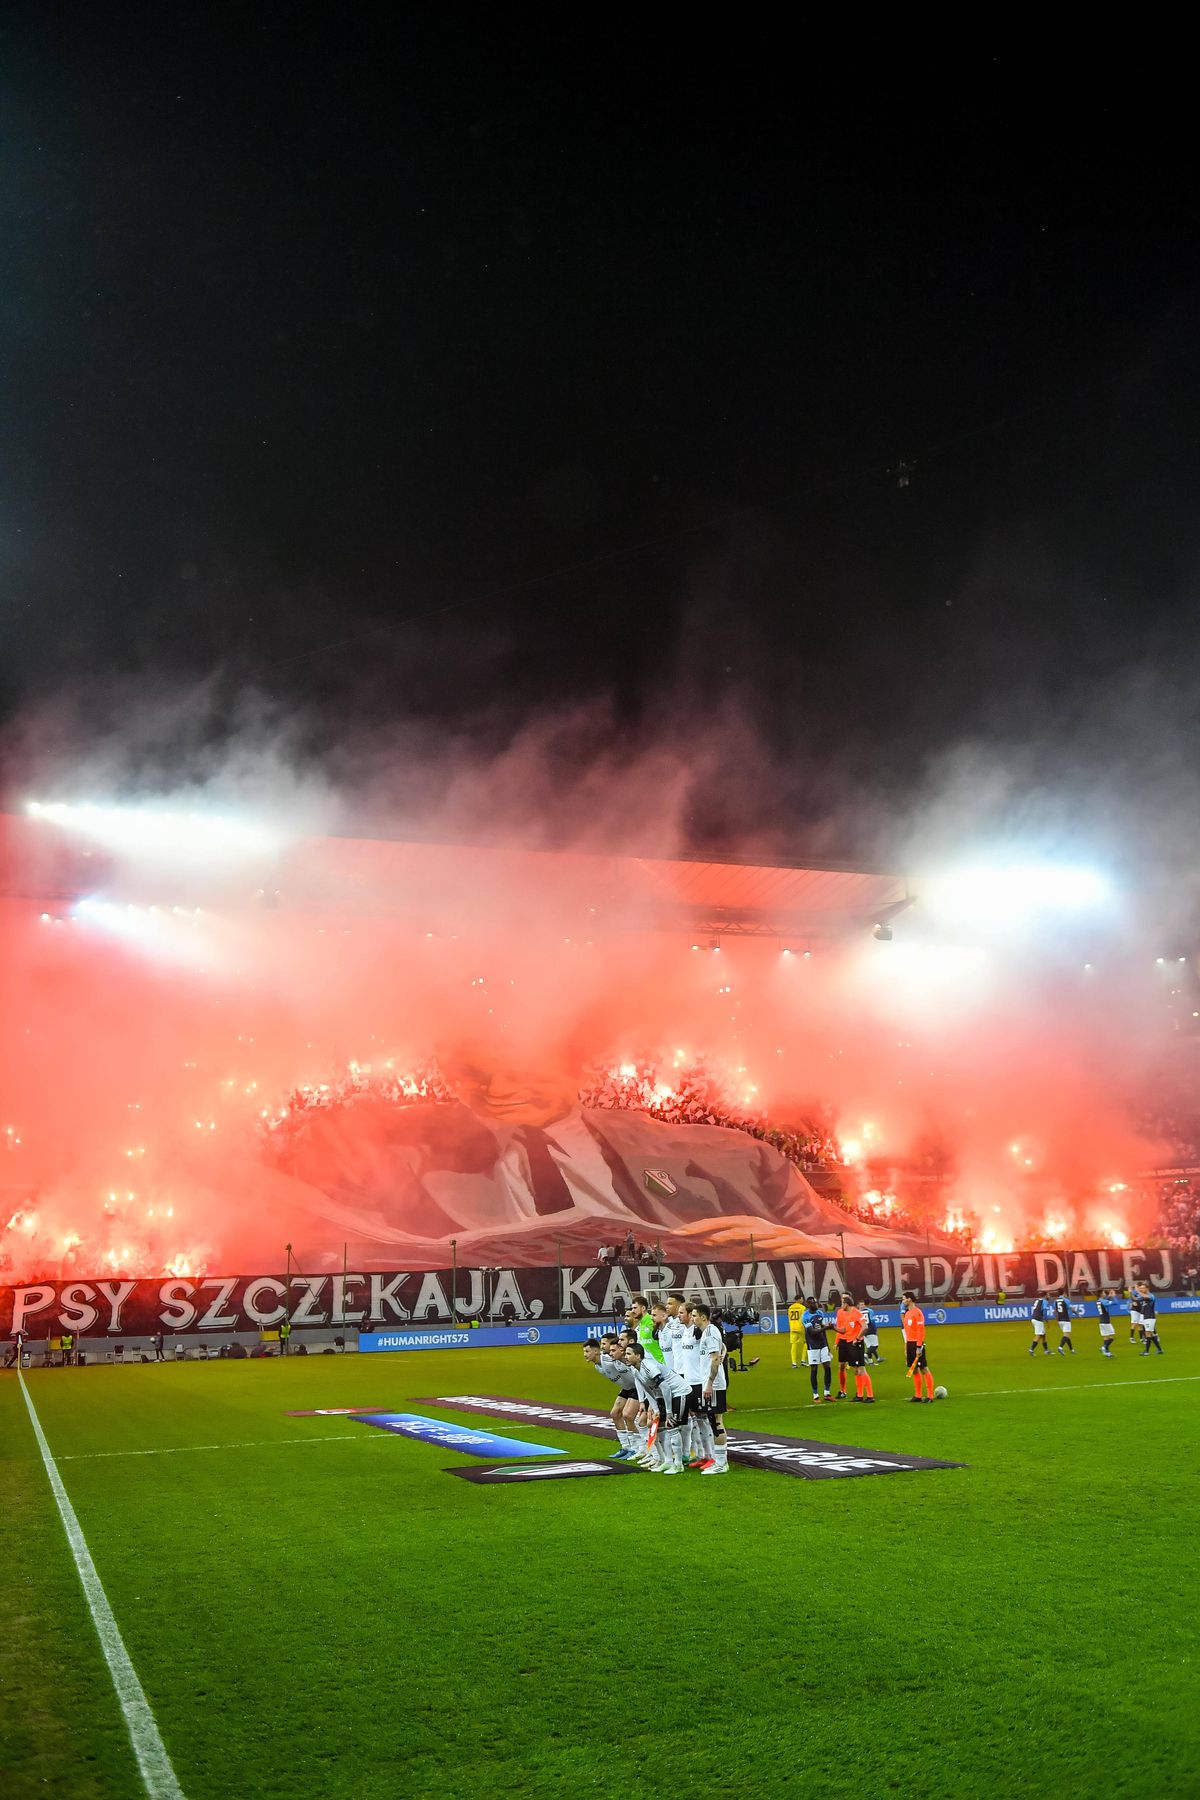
column 315, row 1609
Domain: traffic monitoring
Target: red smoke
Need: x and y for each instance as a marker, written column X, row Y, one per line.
column 144, row 1037
column 140, row 1050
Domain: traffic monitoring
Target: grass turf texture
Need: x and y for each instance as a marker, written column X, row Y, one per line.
column 316, row 1610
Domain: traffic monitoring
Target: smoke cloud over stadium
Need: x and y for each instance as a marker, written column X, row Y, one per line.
column 234, row 945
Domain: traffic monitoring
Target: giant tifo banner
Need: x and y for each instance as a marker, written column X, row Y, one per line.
column 517, row 1172
column 107, row 1307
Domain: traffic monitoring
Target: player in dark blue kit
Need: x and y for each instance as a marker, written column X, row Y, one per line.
column 1149, row 1319
column 816, row 1339
column 1037, row 1316
column 1066, row 1322
column 871, row 1334
column 1104, row 1306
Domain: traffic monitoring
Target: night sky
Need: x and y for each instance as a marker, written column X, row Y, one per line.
column 450, row 371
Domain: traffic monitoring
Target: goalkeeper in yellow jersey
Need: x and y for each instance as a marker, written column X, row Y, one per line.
column 796, row 1332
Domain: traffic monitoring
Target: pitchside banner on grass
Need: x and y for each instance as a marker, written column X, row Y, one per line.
column 494, row 1473
column 808, row 1457
column 454, row 1437
column 111, row 1307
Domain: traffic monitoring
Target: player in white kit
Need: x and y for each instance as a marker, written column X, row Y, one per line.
column 651, row 1421
column 671, row 1394
column 670, row 1337
column 689, row 1363
column 711, row 1346
column 640, row 1414
column 604, row 1359
column 670, row 1326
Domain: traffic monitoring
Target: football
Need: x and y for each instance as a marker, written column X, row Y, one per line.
column 939, row 1393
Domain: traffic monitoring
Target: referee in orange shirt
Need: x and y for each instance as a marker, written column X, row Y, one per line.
column 839, row 1326
column 852, row 1351
column 913, row 1325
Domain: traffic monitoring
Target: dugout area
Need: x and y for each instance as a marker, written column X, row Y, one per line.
column 316, row 1608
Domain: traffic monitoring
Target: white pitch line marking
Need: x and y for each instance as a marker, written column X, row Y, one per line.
column 1095, row 1387
column 333, row 1437
column 158, row 1776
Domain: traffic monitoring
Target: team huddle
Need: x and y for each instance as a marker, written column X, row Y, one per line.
column 668, row 1367
column 1143, row 1321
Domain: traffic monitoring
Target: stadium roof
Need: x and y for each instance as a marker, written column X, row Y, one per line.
column 383, row 877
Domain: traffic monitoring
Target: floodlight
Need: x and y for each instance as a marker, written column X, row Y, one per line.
column 156, row 831
column 1015, row 893
column 168, row 937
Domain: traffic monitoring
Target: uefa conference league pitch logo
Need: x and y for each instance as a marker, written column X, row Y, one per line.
column 810, row 1458
column 495, row 1474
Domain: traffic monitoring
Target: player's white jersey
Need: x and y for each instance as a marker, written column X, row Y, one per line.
column 619, row 1373
column 711, row 1343
column 687, row 1357
column 660, row 1382
column 668, row 1339
column 646, row 1378
column 673, row 1383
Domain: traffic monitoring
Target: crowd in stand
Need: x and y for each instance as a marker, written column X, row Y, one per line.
column 696, row 1095
column 1172, row 1122
column 629, row 1251
column 362, row 1083
column 1179, row 1215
